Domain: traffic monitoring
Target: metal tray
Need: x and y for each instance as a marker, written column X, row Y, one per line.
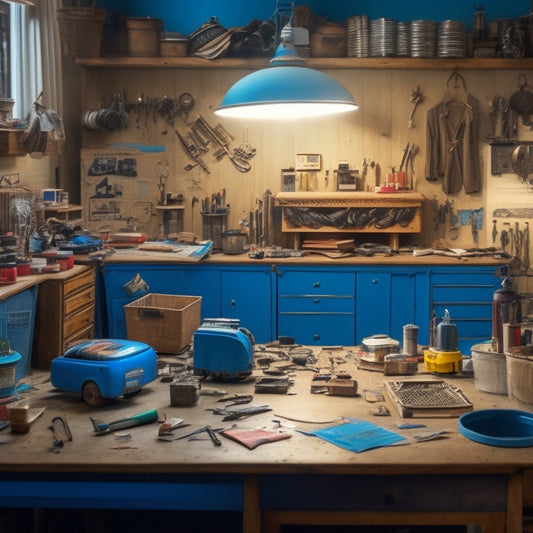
column 431, row 398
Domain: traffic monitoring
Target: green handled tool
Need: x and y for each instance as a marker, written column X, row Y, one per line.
column 147, row 417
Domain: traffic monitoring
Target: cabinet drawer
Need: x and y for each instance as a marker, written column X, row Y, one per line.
column 316, row 304
column 86, row 333
column 76, row 283
column 319, row 329
column 316, row 283
column 78, row 300
column 79, row 321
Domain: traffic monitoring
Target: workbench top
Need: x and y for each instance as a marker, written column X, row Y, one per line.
column 24, row 282
column 299, row 410
column 328, row 259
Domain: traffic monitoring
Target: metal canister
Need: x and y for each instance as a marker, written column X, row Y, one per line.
column 410, row 339
column 505, row 310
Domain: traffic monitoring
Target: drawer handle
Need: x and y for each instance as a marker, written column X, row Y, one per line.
column 316, row 300
column 374, row 281
column 233, row 303
column 316, row 337
column 316, row 284
column 150, row 313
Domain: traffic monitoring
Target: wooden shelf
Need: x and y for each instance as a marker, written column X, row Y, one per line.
column 319, row 63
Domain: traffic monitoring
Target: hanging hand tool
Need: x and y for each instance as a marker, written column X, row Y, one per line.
column 494, row 231
column 526, row 244
column 147, row 417
column 193, row 150
column 194, row 201
column 416, row 98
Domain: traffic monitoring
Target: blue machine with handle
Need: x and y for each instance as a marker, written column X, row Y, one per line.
column 223, row 349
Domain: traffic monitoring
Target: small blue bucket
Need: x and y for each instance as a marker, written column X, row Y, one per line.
column 8, row 364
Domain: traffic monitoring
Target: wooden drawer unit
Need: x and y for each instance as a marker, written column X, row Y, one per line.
column 65, row 313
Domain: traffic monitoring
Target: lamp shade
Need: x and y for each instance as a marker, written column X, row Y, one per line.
column 286, row 92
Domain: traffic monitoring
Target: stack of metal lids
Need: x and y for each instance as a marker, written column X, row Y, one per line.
column 383, row 37
column 451, row 39
column 402, row 47
column 423, row 38
column 357, row 27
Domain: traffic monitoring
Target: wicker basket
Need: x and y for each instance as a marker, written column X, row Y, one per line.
column 80, row 30
column 165, row 322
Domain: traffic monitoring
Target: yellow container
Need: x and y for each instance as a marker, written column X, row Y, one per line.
column 443, row 362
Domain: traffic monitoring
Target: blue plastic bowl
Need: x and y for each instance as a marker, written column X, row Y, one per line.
column 508, row 428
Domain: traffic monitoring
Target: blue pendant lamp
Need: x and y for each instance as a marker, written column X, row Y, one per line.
column 287, row 89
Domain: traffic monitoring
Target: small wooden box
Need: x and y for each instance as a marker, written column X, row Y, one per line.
column 10, row 142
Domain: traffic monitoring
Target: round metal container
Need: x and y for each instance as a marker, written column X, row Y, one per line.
column 519, row 361
column 379, row 346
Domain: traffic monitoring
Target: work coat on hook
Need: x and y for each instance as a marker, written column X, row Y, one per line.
column 452, row 145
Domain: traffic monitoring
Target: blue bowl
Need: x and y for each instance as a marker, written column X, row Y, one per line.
column 508, row 428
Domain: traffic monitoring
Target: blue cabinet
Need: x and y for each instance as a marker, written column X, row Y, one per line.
column 390, row 298
column 230, row 292
column 467, row 293
column 247, row 293
column 124, row 283
column 17, row 320
column 316, row 306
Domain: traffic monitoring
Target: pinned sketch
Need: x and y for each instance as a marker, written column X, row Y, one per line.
column 112, row 165
column 120, row 189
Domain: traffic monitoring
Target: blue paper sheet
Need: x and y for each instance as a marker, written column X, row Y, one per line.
column 358, row 435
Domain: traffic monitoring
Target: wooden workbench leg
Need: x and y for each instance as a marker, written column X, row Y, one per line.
column 251, row 513
column 515, row 509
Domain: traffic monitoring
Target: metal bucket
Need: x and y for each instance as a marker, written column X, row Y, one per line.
column 490, row 373
column 519, row 361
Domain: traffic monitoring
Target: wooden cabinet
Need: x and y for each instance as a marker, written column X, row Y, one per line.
column 10, row 142
column 65, row 313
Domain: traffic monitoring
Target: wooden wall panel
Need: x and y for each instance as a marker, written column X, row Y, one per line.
column 378, row 132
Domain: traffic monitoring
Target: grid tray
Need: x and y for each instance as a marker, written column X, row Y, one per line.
column 427, row 398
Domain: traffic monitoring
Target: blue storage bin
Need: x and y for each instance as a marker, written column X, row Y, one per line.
column 17, row 320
